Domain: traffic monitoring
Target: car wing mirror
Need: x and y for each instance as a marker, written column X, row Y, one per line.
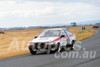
column 62, row 35
column 35, row 36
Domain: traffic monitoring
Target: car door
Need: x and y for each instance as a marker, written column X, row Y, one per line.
column 69, row 36
column 63, row 39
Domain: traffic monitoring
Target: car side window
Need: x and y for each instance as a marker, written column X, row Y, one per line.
column 63, row 33
column 68, row 32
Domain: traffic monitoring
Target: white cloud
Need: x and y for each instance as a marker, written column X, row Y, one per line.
column 2, row 14
column 24, row 9
column 27, row 9
column 49, row 11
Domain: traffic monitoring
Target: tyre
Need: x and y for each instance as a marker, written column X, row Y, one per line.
column 73, row 42
column 70, row 46
column 31, row 50
column 57, row 48
column 58, row 45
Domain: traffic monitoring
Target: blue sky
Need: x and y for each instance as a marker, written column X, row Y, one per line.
column 15, row 13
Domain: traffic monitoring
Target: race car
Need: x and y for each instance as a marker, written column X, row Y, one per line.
column 96, row 26
column 52, row 40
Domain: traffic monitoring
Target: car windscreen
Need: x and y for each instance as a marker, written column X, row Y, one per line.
column 50, row 33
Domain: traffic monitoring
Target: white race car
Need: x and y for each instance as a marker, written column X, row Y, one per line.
column 52, row 40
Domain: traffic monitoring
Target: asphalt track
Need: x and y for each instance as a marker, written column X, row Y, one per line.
column 48, row 60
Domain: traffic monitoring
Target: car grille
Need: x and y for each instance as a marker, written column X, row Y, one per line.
column 41, row 45
column 36, row 45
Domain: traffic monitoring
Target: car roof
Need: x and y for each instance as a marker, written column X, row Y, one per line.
column 56, row 29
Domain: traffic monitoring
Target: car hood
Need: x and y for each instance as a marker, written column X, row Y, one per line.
column 44, row 39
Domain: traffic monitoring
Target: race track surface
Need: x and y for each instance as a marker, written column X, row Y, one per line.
column 48, row 60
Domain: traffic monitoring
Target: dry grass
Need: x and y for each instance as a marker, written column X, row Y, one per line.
column 24, row 36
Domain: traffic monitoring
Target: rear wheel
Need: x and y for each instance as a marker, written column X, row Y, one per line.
column 70, row 46
column 73, row 42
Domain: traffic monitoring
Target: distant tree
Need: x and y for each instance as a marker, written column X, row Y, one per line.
column 73, row 24
column 97, row 24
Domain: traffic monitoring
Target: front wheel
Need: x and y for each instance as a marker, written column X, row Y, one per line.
column 31, row 50
column 58, row 47
column 56, row 50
